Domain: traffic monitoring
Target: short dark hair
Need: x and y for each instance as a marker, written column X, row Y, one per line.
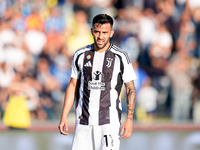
column 102, row 19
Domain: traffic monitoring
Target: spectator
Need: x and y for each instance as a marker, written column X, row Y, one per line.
column 54, row 23
column 165, row 10
column 4, row 5
column 147, row 23
column 22, row 98
column 39, row 39
column 14, row 56
column 7, row 35
column 191, row 5
column 6, row 75
column 45, row 77
column 61, row 71
column 34, row 21
column 161, row 43
column 181, row 73
column 50, row 86
column 80, row 32
column 147, row 103
column 187, row 39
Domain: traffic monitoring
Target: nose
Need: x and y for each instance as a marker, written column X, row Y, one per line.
column 100, row 35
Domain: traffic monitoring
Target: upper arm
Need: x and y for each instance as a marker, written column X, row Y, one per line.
column 73, row 83
column 72, row 89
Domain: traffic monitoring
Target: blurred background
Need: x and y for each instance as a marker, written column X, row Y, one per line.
column 39, row 37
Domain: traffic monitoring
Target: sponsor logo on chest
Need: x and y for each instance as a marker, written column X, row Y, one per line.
column 96, row 84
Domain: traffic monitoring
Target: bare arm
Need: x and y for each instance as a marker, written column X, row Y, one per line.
column 131, row 99
column 69, row 99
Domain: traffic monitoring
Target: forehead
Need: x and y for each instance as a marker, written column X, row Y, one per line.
column 105, row 26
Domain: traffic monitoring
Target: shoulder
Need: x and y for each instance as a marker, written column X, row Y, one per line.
column 83, row 50
column 121, row 53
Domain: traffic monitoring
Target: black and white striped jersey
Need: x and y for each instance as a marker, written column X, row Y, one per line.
column 101, row 77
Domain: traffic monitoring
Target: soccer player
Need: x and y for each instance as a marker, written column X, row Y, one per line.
column 97, row 74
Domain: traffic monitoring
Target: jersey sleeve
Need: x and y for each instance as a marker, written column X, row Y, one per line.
column 75, row 71
column 129, row 73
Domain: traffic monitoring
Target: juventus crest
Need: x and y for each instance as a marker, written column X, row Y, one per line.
column 109, row 60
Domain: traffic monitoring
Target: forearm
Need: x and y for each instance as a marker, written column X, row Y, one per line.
column 131, row 99
column 126, row 129
column 67, row 105
column 69, row 99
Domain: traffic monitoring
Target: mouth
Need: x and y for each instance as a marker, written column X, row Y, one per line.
column 100, row 42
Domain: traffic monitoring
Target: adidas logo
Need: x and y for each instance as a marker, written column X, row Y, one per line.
column 88, row 64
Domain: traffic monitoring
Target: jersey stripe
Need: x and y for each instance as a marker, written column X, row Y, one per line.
column 77, row 93
column 119, row 86
column 76, row 62
column 119, row 50
column 87, row 72
column 108, row 65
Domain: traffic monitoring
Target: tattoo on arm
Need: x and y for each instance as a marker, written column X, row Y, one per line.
column 131, row 99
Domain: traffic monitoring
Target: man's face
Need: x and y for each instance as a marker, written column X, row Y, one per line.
column 102, row 33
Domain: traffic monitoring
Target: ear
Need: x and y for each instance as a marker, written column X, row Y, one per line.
column 111, row 34
column 92, row 31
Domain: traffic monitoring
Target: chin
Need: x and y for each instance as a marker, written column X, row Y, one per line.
column 101, row 47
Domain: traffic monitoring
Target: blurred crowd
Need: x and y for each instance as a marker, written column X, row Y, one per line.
column 39, row 37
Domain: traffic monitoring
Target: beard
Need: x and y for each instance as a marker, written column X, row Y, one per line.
column 100, row 46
